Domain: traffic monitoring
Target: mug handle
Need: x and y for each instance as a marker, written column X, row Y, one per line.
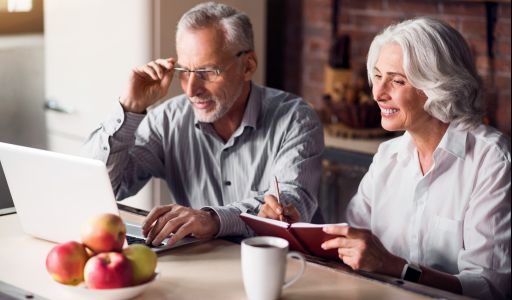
column 295, row 277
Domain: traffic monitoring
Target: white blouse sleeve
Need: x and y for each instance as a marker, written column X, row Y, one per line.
column 484, row 263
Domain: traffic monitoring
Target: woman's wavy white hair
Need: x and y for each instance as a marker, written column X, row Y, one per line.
column 438, row 61
column 236, row 25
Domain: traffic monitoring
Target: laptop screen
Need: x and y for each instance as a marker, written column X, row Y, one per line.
column 6, row 204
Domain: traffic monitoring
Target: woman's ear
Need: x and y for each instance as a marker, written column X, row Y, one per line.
column 250, row 66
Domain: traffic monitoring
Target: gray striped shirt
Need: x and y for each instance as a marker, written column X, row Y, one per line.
column 280, row 135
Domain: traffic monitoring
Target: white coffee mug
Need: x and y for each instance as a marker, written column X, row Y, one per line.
column 264, row 261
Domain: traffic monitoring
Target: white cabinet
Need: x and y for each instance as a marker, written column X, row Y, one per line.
column 90, row 47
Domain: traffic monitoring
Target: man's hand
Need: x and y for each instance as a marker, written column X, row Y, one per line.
column 274, row 210
column 147, row 84
column 362, row 250
column 182, row 221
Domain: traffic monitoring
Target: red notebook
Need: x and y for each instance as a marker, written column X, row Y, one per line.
column 303, row 237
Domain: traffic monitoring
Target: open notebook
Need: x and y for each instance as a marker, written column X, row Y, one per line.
column 303, row 237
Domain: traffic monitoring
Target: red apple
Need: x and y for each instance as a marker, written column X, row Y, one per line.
column 108, row 270
column 143, row 261
column 104, row 233
column 65, row 262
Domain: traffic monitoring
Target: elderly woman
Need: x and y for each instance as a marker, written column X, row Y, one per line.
column 434, row 207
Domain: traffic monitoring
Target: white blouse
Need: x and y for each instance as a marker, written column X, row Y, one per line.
column 455, row 218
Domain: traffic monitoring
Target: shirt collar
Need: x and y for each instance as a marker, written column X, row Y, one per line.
column 252, row 110
column 453, row 141
column 404, row 148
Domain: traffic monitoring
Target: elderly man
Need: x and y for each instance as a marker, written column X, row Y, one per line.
column 218, row 146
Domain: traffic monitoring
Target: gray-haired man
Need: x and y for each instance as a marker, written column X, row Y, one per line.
column 220, row 144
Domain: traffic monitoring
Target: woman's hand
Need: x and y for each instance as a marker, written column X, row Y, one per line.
column 362, row 250
column 147, row 84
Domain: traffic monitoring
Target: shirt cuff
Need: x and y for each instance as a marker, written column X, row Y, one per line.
column 230, row 222
column 474, row 285
column 122, row 123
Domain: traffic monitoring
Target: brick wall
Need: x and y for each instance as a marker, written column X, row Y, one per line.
column 363, row 19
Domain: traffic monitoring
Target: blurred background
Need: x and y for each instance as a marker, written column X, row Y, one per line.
column 63, row 64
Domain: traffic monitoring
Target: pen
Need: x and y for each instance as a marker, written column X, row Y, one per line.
column 277, row 189
column 283, row 217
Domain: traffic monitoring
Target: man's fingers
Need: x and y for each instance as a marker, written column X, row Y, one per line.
column 168, row 228
column 167, row 64
column 153, row 215
column 160, row 224
column 157, row 68
column 152, row 232
column 271, row 201
column 291, row 213
column 182, row 232
column 150, row 71
column 267, row 212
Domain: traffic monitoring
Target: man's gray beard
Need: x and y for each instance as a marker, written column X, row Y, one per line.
column 220, row 110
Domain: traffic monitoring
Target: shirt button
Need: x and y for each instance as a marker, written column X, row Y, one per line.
column 105, row 148
column 227, row 182
column 118, row 120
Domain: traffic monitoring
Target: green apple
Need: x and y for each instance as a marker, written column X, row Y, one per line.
column 143, row 261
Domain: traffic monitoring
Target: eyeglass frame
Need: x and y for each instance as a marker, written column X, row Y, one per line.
column 217, row 70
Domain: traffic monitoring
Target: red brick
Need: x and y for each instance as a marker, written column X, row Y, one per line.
column 474, row 28
column 482, row 64
column 453, row 21
column 502, row 29
column 317, row 11
column 503, row 114
column 314, row 30
column 318, row 45
column 502, row 65
column 504, row 10
column 502, row 48
column 502, row 83
column 375, row 24
column 487, row 81
column 362, row 5
column 462, row 8
column 477, row 46
column 419, row 7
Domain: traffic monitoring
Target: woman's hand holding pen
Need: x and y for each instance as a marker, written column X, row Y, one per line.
column 147, row 84
column 272, row 209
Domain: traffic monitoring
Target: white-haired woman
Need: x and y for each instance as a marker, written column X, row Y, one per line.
column 434, row 207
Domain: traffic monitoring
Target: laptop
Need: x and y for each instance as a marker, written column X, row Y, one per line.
column 54, row 194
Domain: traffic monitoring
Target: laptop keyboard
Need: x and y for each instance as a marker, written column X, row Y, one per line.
column 136, row 240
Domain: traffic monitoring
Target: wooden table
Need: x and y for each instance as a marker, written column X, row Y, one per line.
column 207, row 270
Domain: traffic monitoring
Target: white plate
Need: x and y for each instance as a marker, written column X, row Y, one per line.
column 81, row 291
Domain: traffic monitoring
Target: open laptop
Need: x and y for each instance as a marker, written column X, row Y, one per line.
column 55, row 194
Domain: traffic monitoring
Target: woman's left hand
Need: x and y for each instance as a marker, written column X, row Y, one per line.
column 362, row 250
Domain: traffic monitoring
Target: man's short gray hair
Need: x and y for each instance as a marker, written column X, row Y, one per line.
column 235, row 24
column 438, row 61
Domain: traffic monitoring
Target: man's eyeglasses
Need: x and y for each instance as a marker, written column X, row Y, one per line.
column 206, row 74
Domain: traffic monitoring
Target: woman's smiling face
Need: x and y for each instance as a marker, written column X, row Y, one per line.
column 400, row 103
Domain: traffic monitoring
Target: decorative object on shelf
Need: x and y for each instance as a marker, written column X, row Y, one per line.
column 347, row 97
column 351, row 107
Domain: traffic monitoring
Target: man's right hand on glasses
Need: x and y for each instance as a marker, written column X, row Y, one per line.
column 147, row 84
